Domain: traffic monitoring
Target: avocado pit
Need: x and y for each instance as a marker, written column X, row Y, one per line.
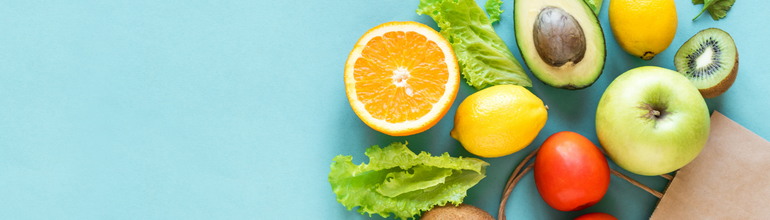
column 558, row 37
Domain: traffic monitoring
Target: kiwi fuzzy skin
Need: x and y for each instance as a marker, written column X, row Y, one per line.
column 463, row 211
column 725, row 84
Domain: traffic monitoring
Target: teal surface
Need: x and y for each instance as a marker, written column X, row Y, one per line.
column 235, row 109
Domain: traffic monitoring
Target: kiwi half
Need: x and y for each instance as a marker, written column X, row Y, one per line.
column 710, row 60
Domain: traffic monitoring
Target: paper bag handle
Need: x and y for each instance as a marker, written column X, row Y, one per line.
column 516, row 176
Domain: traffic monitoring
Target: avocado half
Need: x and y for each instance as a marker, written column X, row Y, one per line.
column 561, row 41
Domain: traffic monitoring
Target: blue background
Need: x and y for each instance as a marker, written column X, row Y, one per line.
column 234, row 109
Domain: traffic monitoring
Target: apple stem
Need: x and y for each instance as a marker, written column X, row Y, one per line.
column 546, row 107
column 656, row 113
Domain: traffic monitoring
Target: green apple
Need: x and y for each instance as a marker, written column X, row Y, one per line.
column 652, row 121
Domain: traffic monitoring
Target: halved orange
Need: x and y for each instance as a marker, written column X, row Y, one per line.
column 401, row 78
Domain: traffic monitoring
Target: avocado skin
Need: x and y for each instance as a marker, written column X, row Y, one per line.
column 569, row 86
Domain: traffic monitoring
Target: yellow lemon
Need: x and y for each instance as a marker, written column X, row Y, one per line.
column 499, row 120
column 643, row 28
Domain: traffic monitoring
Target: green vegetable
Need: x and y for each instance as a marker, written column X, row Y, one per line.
column 483, row 57
column 493, row 9
column 595, row 5
column 398, row 181
column 717, row 8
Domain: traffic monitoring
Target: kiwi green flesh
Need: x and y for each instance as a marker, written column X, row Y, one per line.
column 723, row 85
column 710, row 60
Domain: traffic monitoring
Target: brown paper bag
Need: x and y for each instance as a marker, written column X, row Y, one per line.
column 730, row 178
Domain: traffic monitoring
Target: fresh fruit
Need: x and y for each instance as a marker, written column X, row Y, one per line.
column 643, row 28
column 652, row 121
column 596, row 216
column 499, row 120
column 451, row 212
column 710, row 60
column 484, row 58
column 571, row 173
column 561, row 41
column 398, row 181
column 401, row 78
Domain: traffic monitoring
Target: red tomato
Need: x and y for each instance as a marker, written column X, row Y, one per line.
column 596, row 216
column 571, row 174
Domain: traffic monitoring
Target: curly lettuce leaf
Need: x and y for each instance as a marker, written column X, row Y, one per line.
column 398, row 181
column 483, row 57
column 717, row 8
column 420, row 177
column 493, row 9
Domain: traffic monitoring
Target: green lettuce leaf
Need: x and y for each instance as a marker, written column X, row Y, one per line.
column 483, row 57
column 419, row 177
column 717, row 8
column 398, row 181
column 493, row 9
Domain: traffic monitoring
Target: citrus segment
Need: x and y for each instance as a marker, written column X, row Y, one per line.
column 401, row 78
